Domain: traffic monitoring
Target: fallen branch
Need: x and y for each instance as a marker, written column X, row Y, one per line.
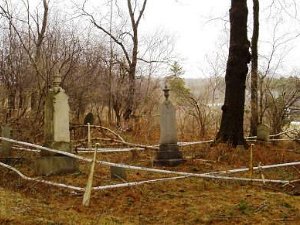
column 210, row 175
column 182, row 144
column 25, row 149
column 256, row 168
column 40, row 180
column 152, row 147
column 104, row 128
column 135, row 183
column 273, row 135
column 108, row 149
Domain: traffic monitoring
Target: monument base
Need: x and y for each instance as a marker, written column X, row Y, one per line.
column 168, row 155
column 11, row 160
column 55, row 165
column 61, row 146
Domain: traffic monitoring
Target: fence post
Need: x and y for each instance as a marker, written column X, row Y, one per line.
column 251, row 161
column 89, row 185
column 89, row 144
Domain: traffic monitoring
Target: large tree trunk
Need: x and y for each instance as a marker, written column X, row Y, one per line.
column 231, row 130
column 254, row 70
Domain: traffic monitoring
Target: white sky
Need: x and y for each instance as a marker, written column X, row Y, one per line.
column 188, row 20
column 198, row 33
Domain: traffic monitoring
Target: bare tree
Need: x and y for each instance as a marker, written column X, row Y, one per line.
column 282, row 94
column 135, row 13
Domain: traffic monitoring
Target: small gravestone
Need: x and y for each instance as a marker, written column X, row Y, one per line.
column 5, row 149
column 168, row 153
column 57, row 133
column 118, row 172
column 263, row 132
column 89, row 118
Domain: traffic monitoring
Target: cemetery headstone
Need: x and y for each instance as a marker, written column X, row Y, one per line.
column 168, row 153
column 5, row 149
column 263, row 132
column 56, row 133
column 118, row 172
column 89, row 118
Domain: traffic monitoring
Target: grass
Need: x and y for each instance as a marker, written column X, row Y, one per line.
column 185, row 201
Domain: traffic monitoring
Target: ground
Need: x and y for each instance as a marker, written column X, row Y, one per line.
column 184, row 201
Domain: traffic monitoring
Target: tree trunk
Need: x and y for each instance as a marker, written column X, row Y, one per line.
column 231, row 130
column 131, row 93
column 133, row 63
column 254, row 70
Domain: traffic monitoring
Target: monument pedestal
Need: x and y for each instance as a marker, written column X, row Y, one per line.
column 60, row 145
column 168, row 155
column 52, row 163
column 55, row 165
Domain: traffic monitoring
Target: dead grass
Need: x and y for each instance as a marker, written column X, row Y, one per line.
column 185, row 201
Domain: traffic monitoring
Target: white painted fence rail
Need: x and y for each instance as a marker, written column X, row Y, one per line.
column 109, row 149
column 211, row 175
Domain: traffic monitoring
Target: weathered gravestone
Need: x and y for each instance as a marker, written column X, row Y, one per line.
column 263, row 132
column 118, row 172
column 168, row 153
column 89, row 118
column 56, row 133
column 5, row 149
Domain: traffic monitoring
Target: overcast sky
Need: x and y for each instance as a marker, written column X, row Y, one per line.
column 189, row 21
column 199, row 32
column 198, row 28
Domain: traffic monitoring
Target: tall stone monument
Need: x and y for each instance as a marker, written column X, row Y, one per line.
column 168, row 153
column 56, row 133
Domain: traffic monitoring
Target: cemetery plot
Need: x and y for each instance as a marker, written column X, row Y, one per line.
column 170, row 200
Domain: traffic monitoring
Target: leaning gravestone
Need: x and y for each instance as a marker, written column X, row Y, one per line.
column 5, row 149
column 56, row 133
column 168, row 153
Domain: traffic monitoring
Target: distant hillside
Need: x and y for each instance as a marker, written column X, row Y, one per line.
column 208, row 87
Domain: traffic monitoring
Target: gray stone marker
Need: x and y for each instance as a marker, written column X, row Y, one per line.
column 168, row 153
column 57, row 133
column 263, row 132
column 118, row 172
column 5, row 149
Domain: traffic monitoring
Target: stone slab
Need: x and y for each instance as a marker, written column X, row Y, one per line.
column 168, row 155
column 5, row 148
column 55, row 165
column 61, row 146
column 168, row 162
column 263, row 132
column 118, row 172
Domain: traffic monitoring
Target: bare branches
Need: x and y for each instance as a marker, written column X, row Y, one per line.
column 41, row 33
column 116, row 40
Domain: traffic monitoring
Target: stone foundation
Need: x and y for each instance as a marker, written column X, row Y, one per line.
column 61, row 146
column 168, row 155
column 55, row 165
